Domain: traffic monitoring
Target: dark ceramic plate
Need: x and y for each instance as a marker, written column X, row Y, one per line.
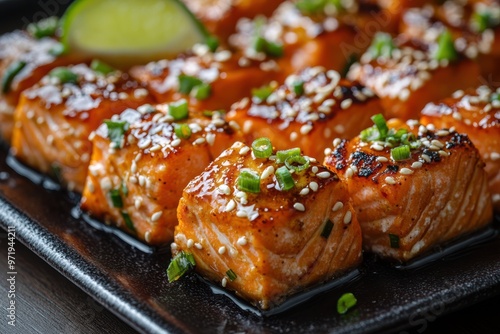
column 132, row 283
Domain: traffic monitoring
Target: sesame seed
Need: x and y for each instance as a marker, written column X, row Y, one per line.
column 434, row 148
column 244, row 150
column 142, row 180
column 337, row 206
column 416, row 164
column 458, row 94
column 404, row 94
column 431, row 127
column 133, row 179
column 426, row 157
column 422, row 129
column 336, row 142
column 494, row 156
column 406, row 171
column 306, row 128
column 156, row 216
column 443, row 153
column 442, row 133
column 346, row 104
column 224, row 282
column 299, row 207
column 323, row 175
column 175, row 142
column 147, row 236
column 210, row 139
column 230, row 206
column 224, row 189
column 315, row 169
column 327, row 151
column 437, row 143
column 349, row 173
column 198, row 245
column 222, row 250
column 155, row 148
column 390, row 180
column 377, row 147
column 293, row 136
column 304, row 191
column 242, row 241
column 138, row 202
column 314, row 186
column 199, row 141
column 241, row 214
column 347, row 217
column 267, row 172
column 190, row 243
column 382, row 159
column 174, row 246
column 457, row 116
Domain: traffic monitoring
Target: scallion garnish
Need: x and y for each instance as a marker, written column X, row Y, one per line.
column 401, row 153
column 327, row 229
column 262, row 148
column 182, row 131
column 116, row 131
column 284, row 178
column 124, row 189
column 128, row 221
column 116, row 198
column 369, row 134
column 249, row 181
column 445, row 47
column 312, row 7
column 298, row 88
column 382, row 45
column 212, row 42
column 285, row 154
column 101, row 67
column 187, row 83
column 394, row 240
column 58, row 49
column 231, row 275
column 262, row 93
column 346, row 302
column 178, row 110
column 495, row 97
column 297, row 163
column 201, row 91
column 180, row 265
column 381, row 125
column 274, row 49
column 10, row 74
column 64, row 75
column 43, row 28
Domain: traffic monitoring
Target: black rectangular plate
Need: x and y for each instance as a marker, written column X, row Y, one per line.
column 133, row 284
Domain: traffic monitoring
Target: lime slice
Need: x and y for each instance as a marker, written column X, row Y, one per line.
column 128, row 32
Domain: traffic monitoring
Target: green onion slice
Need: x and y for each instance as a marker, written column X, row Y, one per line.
column 369, row 134
column 43, row 28
column 327, row 229
column 298, row 88
column 182, row 131
column 274, row 49
column 101, row 67
column 285, row 154
column 116, row 198
column 187, row 83
column 249, row 181
column 124, row 189
column 382, row 45
column 445, row 47
column 231, row 275
column 262, row 147
column 116, row 131
column 178, row 110
column 58, row 50
column 401, row 153
column 180, row 265
column 212, row 42
column 284, row 178
column 64, row 74
column 346, row 302
column 128, row 221
column 394, row 240
column 297, row 163
column 10, row 74
column 381, row 125
column 202, row 91
column 262, row 93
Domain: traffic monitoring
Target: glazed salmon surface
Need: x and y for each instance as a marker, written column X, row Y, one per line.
column 309, row 110
column 137, row 184
column 228, row 76
column 276, row 241
column 54, row 120
column 407, row 207
column 475, row 112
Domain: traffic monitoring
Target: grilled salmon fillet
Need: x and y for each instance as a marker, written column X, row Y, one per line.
column 24, row 60
column 55, row 117
column 475, row 112
column 209, row 81
column 136, row 176
column 309, row 110
column 267, row 245
column 409, row 203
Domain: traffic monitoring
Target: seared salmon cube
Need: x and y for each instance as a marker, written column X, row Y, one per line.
column 413, row 187
column 55, row 117
column 310, row 110
column 264, row 231
column 141, row 162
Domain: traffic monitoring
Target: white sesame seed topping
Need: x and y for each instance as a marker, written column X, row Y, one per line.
column 443, row 153
column 416, row 164
column 224, row 189
column 337, row 206
column 346, row 104
column 242, row 241
column 456, row 115
column 199, row 141
column 267, row 172
column 241, row 214
column 442, row 133
column 198, row 245
column 175, row 142
column 349, row 173
column 174, row 246
column 390, row 180
column 156, row 216
column 244, row 150
column 426, row 158
column 327, row 151
column 382, row 159
column 222, row 250
column 224, row 282
column 347, row 217
column 494, row 156
column 190, row 243
column 314, row 169
column 314, row 186
column 406, row 171
column 299, row 207
column 437, row 143
column 323, row 175
column 377, row 147
column 231, row 205
column 293, row 136
column 336, row 142
column 210, row 139
column 306, row 128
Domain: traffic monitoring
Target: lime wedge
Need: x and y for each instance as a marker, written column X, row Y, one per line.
column 128, row 32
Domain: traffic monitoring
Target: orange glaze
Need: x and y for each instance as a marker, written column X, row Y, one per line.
column 53, row 120
column 230, row 76
column 220, row 16
column 18, row 46
column 410, row 78
column 440, row 193
column 329, row 108
column 271, row 240
column 154, row 165
column 475, row 112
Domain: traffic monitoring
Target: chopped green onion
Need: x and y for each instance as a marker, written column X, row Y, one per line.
column 249, row 181
column 327, row 229
column 187, row 83
column 369, row 134
column 178, row 110
column 382, row 45
column 381, row 125
column 298, row 88
column 262, row 93
column 43, row 28
column 445, row 47
column 128, row 221
column 262, row 148
column 351, row 60
column 182, row 131
column 58, row 50
column 483, row 20
column 285, row 154
column 64, row 74
column 116, row 131
column 101, row 67
column 211, row 113
column 259, row 44
column 394, row 240
column 297, row 163
column 401, row 153
column 231, row 275
column 202, row 91
column 346, row 302
column 180, row 265
column 124, row 189
column 312, row 7
column 284, row 178
column 274, row 49
column 116, row 198
column 10, row 74
column 495, row 97
column 212, row 42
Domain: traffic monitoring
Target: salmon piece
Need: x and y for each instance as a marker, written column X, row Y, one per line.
column 410, row 76
column 475, row 112
column 54, row 120
column 220, row 16
column 309, row 111
column 266, row 246
column 328, row 37
column 137, row 185
column 33, row 59
column 407, row 207
column 228, row 78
